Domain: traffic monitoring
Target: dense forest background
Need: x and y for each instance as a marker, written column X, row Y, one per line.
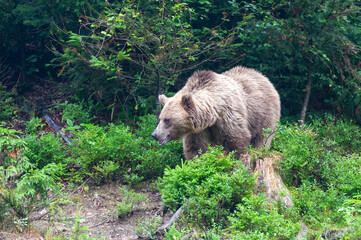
column 117, row 56
column 79, row 82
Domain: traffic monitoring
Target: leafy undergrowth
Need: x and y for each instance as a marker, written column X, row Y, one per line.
column 321, row 166
column 39, row 173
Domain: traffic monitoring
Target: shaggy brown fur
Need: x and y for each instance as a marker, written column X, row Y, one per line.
column 229, row 109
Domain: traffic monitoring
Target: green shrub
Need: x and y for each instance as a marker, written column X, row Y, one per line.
column 148, row 227
column 155, row 158
column 104, row 171
column 33, row 125
column 320, row 209
column 345, row 174
column 23, row 186
column 48, row 148
column 309, row 154
column 251, row 235
column 255, row 218
column 322, row 163
column 36, row 183
column 316, row 205
column 209, row 187
column 130, row 199
column 8, row 106
column 303, row 156
column 74, row 113
column 107, row 152
column 339, row 135
column 351, row 211
column 95, row 145
column 174, row 233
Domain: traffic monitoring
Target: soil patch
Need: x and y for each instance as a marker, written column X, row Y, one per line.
column 96, row 210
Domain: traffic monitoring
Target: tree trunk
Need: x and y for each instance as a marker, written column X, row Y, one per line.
column 307, row 97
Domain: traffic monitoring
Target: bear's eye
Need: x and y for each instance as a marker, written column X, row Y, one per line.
column 166, row 121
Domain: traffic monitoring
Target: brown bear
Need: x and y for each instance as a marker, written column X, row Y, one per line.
column 230, row 109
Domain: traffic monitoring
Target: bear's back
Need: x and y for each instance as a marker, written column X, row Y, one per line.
column 250, row 80
column 261, row 98
column 200, row 80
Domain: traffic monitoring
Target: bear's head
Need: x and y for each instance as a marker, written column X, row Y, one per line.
column 175, row 119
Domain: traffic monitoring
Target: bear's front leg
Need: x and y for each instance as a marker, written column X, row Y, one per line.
column 237, row 138
column 195, row 142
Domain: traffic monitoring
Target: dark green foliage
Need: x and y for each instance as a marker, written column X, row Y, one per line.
column 316, row 205
column 338, row 134
column 116, row 150
column 122, row 54
column 22, row 185
column 8, row 106
column 303, row 157
column 26, row 30
column 321, row 153
column 155, row 158
column 208, row 187
column 74, row 113
column 45, row 149
column 136, row 49
column 255, row 218
column 286, row 40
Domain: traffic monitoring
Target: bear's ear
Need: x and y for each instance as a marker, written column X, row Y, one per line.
column 187, row 103
column 162, row 99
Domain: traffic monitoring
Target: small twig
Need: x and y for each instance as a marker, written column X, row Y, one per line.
column 97, row 225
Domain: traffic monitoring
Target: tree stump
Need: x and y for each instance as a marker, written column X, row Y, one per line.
column 269, row 179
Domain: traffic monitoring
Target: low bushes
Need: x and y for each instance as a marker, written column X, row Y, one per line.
column 35, row 166
column 105, row 152
column 23, row 186
column 320, row 166
column 209, row 187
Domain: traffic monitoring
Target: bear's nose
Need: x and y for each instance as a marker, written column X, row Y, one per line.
column 154, row 135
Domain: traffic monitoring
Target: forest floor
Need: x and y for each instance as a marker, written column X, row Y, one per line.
column 97, row 212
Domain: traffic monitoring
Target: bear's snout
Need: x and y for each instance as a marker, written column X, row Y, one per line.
column 154, row 135
column 162, row 140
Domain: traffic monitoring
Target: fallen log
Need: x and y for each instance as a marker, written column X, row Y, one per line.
column 172, row 220
column 55, row 126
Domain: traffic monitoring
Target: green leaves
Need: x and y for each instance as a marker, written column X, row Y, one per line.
column 39, row 181
column 210, row 186
column 256, row 216
column 154, row 41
